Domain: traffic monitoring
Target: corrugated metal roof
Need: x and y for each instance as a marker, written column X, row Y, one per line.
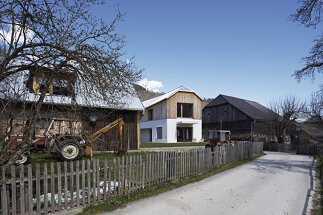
column 252, row 109
column 128, row 101
column 160, row 98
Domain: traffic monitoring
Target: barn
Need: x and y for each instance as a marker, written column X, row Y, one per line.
column 247, row 120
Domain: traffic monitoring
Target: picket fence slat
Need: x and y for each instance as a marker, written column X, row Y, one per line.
column 59, row 185
column 46, row 189
column 105, row 179
column 88, row 181
column 77, row 171
column 83, row 182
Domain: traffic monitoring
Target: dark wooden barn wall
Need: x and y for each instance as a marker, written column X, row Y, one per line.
column 236, row 128
column 225, row 112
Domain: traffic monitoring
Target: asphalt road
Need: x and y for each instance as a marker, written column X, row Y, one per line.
column 276, row 183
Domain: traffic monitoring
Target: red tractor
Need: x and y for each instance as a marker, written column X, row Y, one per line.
column 218, row 138
column 64, row 147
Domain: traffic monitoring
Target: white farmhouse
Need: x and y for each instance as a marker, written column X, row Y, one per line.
column 173, row 117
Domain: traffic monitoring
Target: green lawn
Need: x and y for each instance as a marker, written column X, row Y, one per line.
column 47, row 158
column 159, row 145
column 42, row 157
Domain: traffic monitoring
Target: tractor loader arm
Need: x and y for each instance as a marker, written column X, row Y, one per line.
column 119, row 122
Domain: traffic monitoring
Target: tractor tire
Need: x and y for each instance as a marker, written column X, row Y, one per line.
column 70, row 150
column 23, row 159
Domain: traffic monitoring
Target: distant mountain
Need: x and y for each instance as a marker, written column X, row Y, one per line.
column 145, row 94
column 206, row 101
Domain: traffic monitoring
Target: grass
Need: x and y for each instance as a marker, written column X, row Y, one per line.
column 318, row 195
column 43, row 158
column 160, row 145
column 121, row 201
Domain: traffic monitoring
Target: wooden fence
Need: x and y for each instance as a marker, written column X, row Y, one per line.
column 278, row 147
column 306, row 149
column 44, row 188
column 309, row 149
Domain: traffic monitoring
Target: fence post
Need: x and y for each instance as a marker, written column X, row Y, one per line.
column 59, row 184
column 4, row 193
column 98, row 179
column 77, row 175
column 83, row 182
column 37, row 188
column 105, row 179
column 22, row 190
column 30, row 189
column 94, row 181
column 88, row 181
column 71, row 183
column 65, row 185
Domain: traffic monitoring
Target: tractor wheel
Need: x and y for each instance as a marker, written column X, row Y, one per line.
column 23, row 159
column 70, row 150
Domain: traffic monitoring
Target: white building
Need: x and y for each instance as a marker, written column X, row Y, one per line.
column 173, row 117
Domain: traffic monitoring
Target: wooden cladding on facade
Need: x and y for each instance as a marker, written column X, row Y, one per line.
column 158, row 112
column 190, row 107
column 184, row 97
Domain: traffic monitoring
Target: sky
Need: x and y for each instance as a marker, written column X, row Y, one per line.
column 247, row 49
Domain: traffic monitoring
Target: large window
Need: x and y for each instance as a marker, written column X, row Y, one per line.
column 150, row 114
column 185, row 110
column 159, row 132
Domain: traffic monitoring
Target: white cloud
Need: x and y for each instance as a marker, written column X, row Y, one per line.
column 151, row 85
column 18, row 36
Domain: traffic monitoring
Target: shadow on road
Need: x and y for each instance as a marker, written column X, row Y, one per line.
column 274, row 166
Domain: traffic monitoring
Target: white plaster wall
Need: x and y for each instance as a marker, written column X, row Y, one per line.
column 153, row 125
column 169, row 129
column 172, row 128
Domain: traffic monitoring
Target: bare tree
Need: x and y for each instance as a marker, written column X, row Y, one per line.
column 315, row 106
column 61, row 44
column 309, row 15
column 288, row 110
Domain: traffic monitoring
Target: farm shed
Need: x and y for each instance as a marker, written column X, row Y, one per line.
column 73, row 114
column 245, row 119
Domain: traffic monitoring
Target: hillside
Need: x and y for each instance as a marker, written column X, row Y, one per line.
column 145, row 94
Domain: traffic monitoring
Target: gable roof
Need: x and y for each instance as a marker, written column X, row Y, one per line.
column 129, row 101
column 252, row 109
column 160, row 98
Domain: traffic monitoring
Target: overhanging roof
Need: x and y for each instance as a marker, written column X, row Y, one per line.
column 160, row 98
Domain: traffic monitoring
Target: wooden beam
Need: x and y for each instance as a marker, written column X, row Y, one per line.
column 36, row 85
column 138, row 130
